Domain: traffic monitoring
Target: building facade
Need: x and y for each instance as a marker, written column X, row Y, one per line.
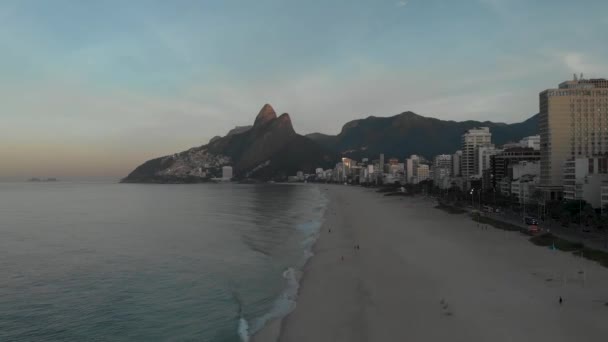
column 584, row 178
column 456, row 160
column 422, row 173
column 573, row 123
column 500, row 162
column 472, row 140
column 411, row 168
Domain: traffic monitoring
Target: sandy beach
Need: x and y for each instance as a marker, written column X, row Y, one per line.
column 425, row 275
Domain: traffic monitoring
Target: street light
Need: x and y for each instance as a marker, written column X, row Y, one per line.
column 472, row 204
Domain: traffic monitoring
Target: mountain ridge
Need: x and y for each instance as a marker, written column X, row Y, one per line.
column 409, row 133
column 270, row 149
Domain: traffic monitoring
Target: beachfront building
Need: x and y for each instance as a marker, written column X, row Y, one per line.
column 584, row 178
column 226, row 173
column 532, row 142
column 504, row 186
column 456, row 160
column 411, row 168
column 523, row 168
column 501, row 162
column 572, row 121
column 422, row 173
column 523, row 187
column 443, row 161
column 519, row 173
column 442, row 170
column 441, row 177
column 484, row 154
column 472, row 140
column 396, row 171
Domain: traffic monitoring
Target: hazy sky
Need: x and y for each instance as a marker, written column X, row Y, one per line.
column 94, row 88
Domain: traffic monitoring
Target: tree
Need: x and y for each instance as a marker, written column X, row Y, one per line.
column 565, row 218
column 587, row 215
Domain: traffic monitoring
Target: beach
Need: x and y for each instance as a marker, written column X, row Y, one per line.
column 421, row 274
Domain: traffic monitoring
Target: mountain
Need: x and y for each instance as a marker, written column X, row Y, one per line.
column 409, row 133
column 270, row 149
column 235, row 130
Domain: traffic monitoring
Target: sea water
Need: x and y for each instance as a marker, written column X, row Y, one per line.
column 132, row 262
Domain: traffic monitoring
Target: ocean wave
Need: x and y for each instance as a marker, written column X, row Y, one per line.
column 282, row 306
column 286, row 302
column 243, row 329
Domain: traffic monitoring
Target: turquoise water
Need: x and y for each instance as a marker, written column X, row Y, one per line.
column 126, row 262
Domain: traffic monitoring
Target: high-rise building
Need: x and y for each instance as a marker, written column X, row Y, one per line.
column 411, row 168
column 500, row 162
column 456, row 160
column 443, row 161
column 484, row 153
column 471, row 141
column 573, row 123
column 422, row 173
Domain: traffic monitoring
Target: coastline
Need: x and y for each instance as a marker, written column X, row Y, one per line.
column 271, row 331
column 423, row 274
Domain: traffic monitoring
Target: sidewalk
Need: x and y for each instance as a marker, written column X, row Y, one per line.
column 591, row 240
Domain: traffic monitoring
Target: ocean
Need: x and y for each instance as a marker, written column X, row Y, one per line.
column 133, row 262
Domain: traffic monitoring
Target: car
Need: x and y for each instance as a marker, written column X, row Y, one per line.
column 531, row 221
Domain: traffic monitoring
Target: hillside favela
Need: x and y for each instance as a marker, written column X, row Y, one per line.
column 285, row 171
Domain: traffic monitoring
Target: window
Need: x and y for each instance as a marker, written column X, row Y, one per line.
column 590, row 165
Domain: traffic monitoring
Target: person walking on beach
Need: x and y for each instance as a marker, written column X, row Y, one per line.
column 560, row 300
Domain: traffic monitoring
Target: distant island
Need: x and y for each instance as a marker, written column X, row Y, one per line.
column 271, row 150
column 34, row 179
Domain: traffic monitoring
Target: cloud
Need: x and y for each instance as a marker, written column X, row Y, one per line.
column 577, row 62
column 401, row 4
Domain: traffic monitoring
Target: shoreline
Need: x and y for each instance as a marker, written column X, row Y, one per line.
column 271, row 331
column 424, row 274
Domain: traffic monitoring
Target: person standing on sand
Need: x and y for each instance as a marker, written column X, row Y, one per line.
column 560, row 300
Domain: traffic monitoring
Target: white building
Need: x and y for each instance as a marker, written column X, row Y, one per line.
column 441, row 177
column 443, row 161
column 531, row 141
column 523, row 187
column 484, row 153
column 411, row 167
column 523, row 168
column 226, row 173
column 584, row 178
column 471, row 141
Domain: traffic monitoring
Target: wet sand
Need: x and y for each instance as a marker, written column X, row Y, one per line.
column 425, row 275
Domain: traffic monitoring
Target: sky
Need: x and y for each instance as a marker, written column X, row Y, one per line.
column 94, row 88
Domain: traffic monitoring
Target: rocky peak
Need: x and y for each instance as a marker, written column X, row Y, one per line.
column 266, row 115
column 284, row 122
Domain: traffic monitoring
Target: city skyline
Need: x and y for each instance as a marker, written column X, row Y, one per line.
column 89, row 89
